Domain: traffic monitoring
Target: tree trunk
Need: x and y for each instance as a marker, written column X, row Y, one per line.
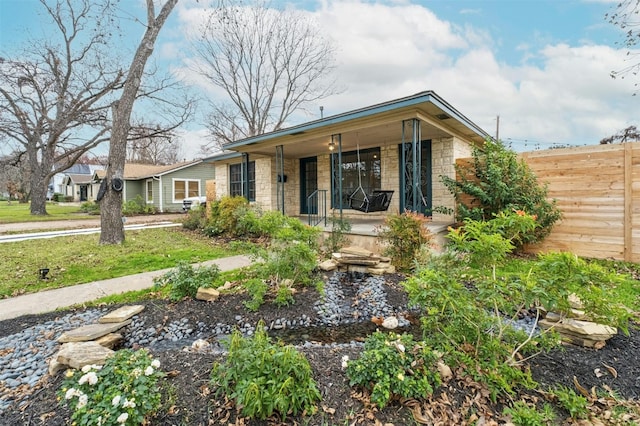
column 38, row 195
column 112, row 227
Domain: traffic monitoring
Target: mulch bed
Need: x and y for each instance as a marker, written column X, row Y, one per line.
column 460, row 401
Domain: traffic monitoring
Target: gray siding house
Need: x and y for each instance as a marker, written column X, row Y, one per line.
column 164, row 187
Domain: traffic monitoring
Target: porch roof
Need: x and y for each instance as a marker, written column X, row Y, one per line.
column 367, row 127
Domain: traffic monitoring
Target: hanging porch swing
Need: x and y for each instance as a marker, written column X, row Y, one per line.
column 377, row 201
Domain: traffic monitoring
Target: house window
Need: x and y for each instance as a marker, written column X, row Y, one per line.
column 236, row 186
column 184, row 188
column 149, row 191
column 368, row 169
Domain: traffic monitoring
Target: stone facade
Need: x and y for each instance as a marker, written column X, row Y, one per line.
column 443, row 152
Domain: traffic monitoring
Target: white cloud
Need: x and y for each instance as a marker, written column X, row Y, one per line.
column 561, row 93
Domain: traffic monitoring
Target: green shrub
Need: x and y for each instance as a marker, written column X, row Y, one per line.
column 498, row 181
column 464, row 319
column 196, row 219
column 403, row 236
column 487, row 243
column 137, row 206
column 257, row 288
column 125, row 391
column 265, row 378
column 594, row 284
column 90, row 207
column 224, row 216
column 184, row 280
column 394, row 365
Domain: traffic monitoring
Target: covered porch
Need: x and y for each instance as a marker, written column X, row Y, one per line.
column 337, row 164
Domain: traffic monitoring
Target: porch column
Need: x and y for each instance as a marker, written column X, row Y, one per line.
column 410, row 192
column 245, row 175
column 336, row 171
column 280, row 178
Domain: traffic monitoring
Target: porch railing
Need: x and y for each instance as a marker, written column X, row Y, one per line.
column 317, row 207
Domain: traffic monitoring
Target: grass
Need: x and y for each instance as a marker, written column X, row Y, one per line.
column 19, row 212
column 80, row 259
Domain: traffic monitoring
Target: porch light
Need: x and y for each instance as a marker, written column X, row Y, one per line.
column 332, row 146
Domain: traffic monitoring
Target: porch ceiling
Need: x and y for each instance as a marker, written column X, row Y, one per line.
column 378, row 125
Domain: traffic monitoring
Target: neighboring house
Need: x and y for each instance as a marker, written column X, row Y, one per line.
column 75, row 182
column 164, row 187
column 79, row 186
column 401, row 147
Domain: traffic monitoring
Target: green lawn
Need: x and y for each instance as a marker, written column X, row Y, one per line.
column 16, row 212
column 79, row 259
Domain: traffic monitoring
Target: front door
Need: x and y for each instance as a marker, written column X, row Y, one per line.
column 308, row 185
column 83, row 193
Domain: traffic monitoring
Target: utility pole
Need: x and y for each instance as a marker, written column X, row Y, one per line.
column 498, row 127
column 321, row 111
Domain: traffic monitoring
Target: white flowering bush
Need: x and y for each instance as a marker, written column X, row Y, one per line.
column 125, row 391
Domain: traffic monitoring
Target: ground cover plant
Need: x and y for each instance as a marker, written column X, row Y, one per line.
column 144, row 250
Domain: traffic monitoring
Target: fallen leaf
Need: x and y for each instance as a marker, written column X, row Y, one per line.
column 580, row 388
column 612, row 370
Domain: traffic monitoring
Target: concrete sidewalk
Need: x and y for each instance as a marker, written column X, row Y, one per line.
column 50, row 300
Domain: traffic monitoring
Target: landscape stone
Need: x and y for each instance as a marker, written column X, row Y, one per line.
column 355, row 250
column 328, row 265
column 207, row 294
column 110, row 340
column 78, row 354
column 91, row 332
column 121, row 314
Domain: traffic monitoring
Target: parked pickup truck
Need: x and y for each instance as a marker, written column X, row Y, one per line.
column 193, row 203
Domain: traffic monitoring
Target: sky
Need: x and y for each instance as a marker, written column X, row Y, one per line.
column 543, row 67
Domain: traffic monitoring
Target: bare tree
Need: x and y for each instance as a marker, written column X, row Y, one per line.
column 629, row 134
column 54, row 100
column 146, row 148
column 270, row 64
column 14, row 177
column 627, row 17
column 112, row 228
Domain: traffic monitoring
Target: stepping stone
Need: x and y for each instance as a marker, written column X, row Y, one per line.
column 121, row 314
column 79, row 354
column 328, row 265
column 91, row 332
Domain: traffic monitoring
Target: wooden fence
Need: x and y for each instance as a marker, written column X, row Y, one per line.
column 597, row 188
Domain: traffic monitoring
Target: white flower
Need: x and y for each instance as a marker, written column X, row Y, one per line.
column 136, row 372
column 90, row 377
column 155, row 363
column 86, row 368
column 122, row 418
column 400, row 347
column 345, row 360
column 115, row 401
column 129, row 403
column 71, row 392
column 82, row 401
column 148, row 371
